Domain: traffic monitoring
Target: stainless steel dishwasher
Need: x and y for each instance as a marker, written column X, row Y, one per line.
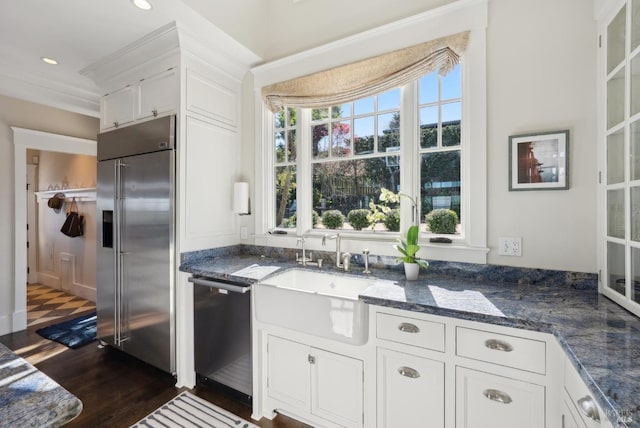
column 222, row 331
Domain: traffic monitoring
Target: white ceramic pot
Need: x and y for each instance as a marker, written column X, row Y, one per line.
column 411, row 271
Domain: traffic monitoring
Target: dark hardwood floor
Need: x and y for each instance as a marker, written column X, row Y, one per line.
column 116, row 390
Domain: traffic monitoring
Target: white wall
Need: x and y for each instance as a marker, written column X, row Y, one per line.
column 27, row 115
column 541, row 61
column 63, row 262
column 542, row 77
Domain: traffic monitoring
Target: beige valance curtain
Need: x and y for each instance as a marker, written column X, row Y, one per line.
column 367, row 77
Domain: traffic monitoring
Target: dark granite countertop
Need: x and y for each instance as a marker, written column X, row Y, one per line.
column 601, row 339
column 29, row 398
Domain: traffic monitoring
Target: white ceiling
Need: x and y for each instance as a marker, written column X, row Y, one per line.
column 77, row 33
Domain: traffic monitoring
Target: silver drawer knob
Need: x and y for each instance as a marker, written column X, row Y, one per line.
column 495, row 395
column 588, row 408
column 408, row 328
column 498, row 345
column 408, row 372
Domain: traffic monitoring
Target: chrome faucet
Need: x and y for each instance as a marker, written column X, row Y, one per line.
column 340, row 263
column 304, row 259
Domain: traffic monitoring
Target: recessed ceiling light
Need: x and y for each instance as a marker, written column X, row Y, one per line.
column 142, row 4
column 49, row 60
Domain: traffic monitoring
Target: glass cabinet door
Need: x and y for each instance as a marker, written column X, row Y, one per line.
column 620, row 65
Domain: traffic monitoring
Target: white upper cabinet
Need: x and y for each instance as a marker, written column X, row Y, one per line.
column 118, row 108
column 157, row 95
column 214, row 100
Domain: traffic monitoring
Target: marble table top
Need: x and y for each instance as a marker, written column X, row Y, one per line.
column 601, row 339
column 29, row 398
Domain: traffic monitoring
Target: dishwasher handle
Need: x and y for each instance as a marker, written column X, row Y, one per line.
column 220, row 285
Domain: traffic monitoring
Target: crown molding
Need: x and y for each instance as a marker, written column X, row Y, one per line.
column 77, row 97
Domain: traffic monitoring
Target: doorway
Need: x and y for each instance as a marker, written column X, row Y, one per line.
column 24, row 139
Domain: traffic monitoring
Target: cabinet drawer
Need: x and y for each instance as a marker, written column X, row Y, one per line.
column 579, row 395
column 502, row 349
column 485, row 400
column 410, row 331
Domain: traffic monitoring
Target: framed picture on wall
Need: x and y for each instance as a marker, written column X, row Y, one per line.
column 539, row 161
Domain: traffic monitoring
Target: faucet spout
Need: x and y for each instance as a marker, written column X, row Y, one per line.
column 338, row 253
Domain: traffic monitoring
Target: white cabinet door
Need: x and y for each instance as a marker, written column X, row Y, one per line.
column 410, row 390
column 336, row 388
column 117, row 108
column 288, row 372
column 486, row 400
column 315, row 382
column 158, row 94
column 215, row 100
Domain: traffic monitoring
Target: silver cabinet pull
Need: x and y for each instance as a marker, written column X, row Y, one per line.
column 495, row 395
column 408, row 328
column 408, row 372
column 498, row 345
column 588, row 408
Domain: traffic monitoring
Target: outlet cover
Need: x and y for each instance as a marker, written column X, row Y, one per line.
column 510, row 247
column 243, row 233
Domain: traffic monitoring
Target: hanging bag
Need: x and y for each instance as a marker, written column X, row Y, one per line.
column 72, row 226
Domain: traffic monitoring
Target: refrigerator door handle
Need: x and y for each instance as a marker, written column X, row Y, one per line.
column 120, row 313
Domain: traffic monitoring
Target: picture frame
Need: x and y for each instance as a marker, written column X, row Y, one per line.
column 539, row 161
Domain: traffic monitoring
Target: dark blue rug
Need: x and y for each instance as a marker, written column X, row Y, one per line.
column 73, row 333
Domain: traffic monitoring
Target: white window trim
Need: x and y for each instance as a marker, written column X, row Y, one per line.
column 463, row 15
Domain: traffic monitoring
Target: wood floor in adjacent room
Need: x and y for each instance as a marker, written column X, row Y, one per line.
column 116, row 390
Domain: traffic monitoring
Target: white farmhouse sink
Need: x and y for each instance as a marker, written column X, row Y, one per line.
column 316, row 303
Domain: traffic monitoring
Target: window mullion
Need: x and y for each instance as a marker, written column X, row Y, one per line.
column 409, row 158
column 304, row 172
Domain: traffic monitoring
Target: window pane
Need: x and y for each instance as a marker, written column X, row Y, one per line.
column 616, row 40
column 440, row 182
column 635, row 213
column 615, row 157
column 635, row 274
column 319, row 113
column 615, row 99
column 363, row 106
column 635, row 85
column 389, row 100
column 635, row 150
column 451, row 87
column 286, row 196
column 281, row 146
column 428, row 88
column 320, row 141
column 615, row 266
column 351, row 184
column 451, row 116
column 388, row 131
column 293, row 116
column 615, row 213
column 341, row 111
column 428, row 127
column 291, row 140
column 363, row 135
column 279, row 119
column 341, row 139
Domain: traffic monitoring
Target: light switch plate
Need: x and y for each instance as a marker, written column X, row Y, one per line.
column 510, row 247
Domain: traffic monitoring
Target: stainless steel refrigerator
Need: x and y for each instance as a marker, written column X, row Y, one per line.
column 136, row 229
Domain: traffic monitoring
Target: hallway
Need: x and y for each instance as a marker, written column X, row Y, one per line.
column 45, row 304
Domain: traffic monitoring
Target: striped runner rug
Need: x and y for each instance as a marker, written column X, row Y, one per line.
column 187, row 410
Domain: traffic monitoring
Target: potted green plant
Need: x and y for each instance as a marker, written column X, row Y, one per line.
column 408, row 248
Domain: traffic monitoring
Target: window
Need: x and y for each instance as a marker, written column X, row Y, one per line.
column 284, row 138
column 428, row 130
column 440, row 113
column 354, row 155
column 355, row 151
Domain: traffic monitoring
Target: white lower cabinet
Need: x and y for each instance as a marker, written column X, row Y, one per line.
column 315, row 381
column 487, row 400
column 410, row 390
column 570, row 418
